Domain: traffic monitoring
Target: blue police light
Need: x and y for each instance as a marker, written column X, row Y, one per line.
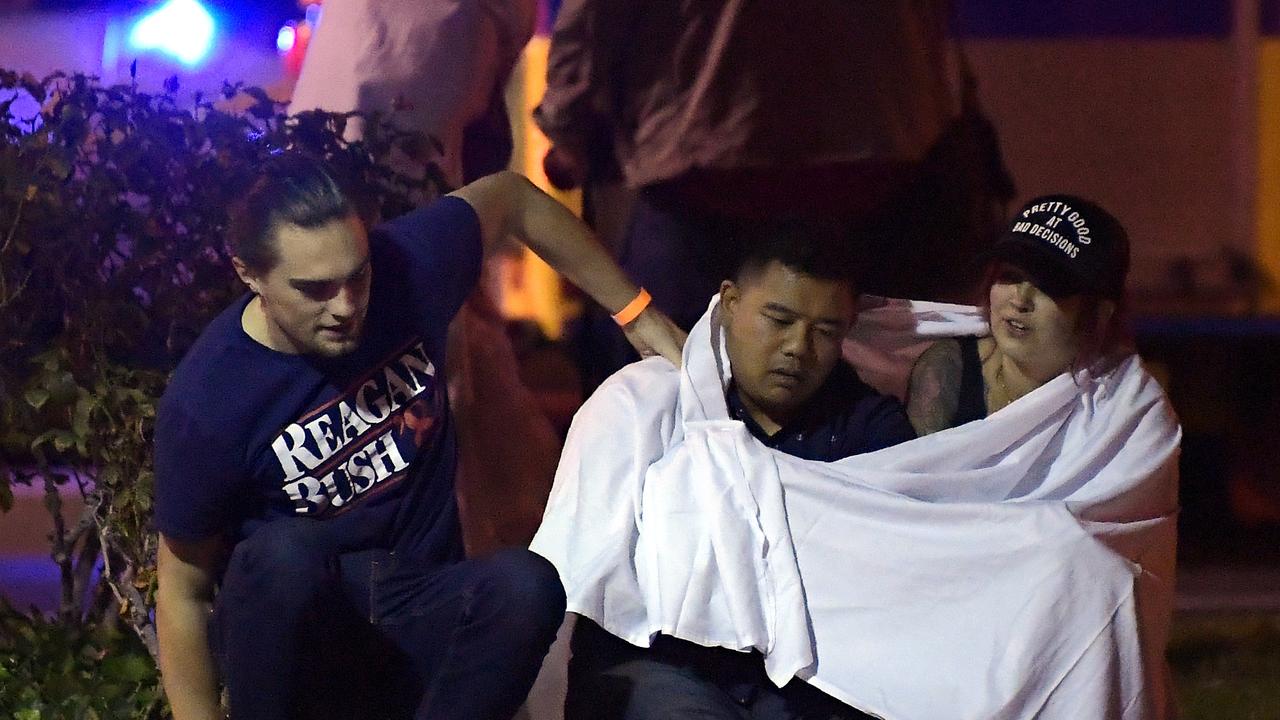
column 286, row 38
column 182, row 29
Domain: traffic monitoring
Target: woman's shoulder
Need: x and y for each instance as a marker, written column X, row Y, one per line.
column 934, row 391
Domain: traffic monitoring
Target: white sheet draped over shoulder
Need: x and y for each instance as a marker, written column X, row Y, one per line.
column 1019, row 566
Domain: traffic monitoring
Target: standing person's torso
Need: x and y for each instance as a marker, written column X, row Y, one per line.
column 429, row 67
column 731, row 85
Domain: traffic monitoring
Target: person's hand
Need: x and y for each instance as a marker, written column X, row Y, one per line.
column 565, row 168
column 653, row 333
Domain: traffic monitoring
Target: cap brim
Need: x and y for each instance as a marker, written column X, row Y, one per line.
column 1048, row 271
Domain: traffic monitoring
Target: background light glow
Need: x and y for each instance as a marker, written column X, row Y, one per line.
column 182, row 29
column 285, row 38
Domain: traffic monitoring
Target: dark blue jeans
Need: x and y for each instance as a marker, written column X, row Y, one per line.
column 610, row 679
column 302, row 632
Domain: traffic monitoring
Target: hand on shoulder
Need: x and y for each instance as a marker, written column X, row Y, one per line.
column 653, row 333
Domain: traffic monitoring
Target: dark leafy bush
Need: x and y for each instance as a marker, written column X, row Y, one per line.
column 113, row 207
column 52, row 669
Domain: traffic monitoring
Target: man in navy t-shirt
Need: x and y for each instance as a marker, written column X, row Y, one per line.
column 305, row 462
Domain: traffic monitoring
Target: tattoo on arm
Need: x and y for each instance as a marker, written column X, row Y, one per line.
column 933, row 396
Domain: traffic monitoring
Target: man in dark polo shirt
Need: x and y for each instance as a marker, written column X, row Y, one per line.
column 785, row 314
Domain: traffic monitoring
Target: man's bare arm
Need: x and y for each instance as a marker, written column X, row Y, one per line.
column 508, row 204
column 186, row 579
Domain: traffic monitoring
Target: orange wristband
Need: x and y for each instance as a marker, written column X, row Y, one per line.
column 633, row 309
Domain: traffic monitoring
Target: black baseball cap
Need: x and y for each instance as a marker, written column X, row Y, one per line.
column 1068, row 246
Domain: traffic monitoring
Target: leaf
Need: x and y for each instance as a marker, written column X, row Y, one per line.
column 42, row 438
column 62, row 439
column 109, row 476
column 29, row 82
column 48, row 360
column 14, row 442
column 127, row 668
column 85, row 404
column 57, row 165
column 36, row 397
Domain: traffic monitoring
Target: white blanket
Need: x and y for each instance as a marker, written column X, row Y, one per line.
column 1019, row 566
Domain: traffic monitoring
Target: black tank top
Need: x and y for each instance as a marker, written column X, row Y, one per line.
column 972, row 403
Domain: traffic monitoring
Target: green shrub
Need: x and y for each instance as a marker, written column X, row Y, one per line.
column 113, row 206
column 51, row 669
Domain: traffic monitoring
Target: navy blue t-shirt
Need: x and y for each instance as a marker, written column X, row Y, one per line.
column 845, row 417
column 363, row 442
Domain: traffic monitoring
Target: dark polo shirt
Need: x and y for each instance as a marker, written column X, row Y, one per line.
column 844, row 417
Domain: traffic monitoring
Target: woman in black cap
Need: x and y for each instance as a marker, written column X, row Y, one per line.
column 1055, row 300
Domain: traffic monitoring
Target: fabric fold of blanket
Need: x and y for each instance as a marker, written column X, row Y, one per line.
column 1015, row 567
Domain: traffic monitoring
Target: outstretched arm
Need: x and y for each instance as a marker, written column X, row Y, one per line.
column 509, row 205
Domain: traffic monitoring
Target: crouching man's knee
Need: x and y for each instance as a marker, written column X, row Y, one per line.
column 520, row 595
column 282, row 565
